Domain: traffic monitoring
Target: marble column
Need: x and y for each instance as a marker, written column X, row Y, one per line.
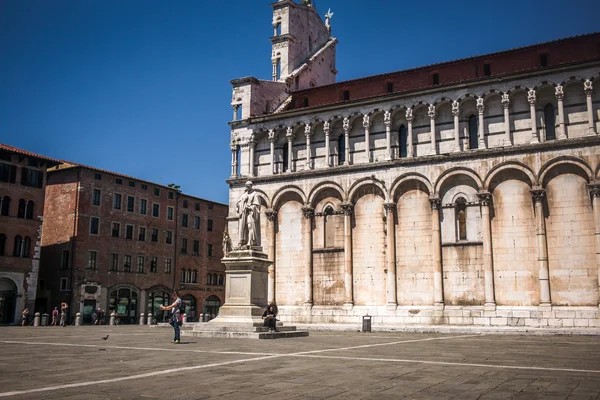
column 595, row 193
column 307, row 133
column 274, row 75
column 289, row 136
column 387, row 121
column 367, row 125
column 542, row 246
column 456, row 114
column 327, row 131
column 431, row 113
column 391, row 296
column 531, row 99
column 309, row 214
column 588, row 89
column 410, row 151
column 506, row 106
column 481, row 127
column 348, row 209
column 562, row 129
column 233, row 160
column 272, row 139
column 272, row 221
column 436, row 248
column 251, row 145
column 346, row 126
column 488, row 263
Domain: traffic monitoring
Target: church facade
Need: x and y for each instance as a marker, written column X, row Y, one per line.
column 466, row 192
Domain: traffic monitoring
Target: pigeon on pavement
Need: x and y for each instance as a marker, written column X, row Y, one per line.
column 106, row 337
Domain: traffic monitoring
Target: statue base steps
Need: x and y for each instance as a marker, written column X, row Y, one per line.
column 234, row 330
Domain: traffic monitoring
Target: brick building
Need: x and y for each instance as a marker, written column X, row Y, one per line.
column 122, row 244
column 22, row 183
column 466, row 192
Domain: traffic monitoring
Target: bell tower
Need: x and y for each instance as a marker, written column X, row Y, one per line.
column 303, row 50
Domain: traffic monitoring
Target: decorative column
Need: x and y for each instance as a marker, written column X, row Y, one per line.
column 409, row 140
column 391, row 297
column 560, row 95
column 274, row 62
column 346, row 126
column 588, row 89
column 542, row 246
column 289, row 137
column 367, row 125
column 251, row 144
column 271, row 218
column 307, row 133
column 488, row 264
column 233, row 160
column 456, row 113
column 436, row 247
column 480, row 109
column 309, row 214
column 348, row 209
column 272, row 139
column 327, row 131
column 506, row 106
column 531, row 99
column 431, row 112
column 387, row 121
column 595, row 193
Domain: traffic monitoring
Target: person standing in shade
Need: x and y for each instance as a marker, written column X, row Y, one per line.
column 176, row 315
column 54, row 317
column 63, row 314
column 24, row 315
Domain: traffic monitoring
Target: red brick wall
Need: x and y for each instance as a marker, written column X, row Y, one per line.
column 525, row 59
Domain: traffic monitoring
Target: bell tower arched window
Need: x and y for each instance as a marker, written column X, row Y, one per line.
column 238, row 160
column 286, row 160
column 341, row 148
column 473, row 128
column 550, row 120
column 461, row 218
column 403, row 141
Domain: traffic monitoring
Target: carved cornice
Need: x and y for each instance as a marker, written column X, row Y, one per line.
column 594, row 189
column 484, row 198
column 435, row 203
column 347, row 208
column 587, row 87
column 271, row 214
column 308, row 212
column 538, row 195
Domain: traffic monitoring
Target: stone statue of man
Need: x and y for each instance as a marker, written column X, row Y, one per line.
column 248, row 211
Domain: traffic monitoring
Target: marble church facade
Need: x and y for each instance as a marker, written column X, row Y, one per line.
column 471, row 198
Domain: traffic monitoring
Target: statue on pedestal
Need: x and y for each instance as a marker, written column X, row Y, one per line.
column 248, row 211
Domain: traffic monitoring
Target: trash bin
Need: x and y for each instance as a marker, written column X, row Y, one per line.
column 366, row 323
column 44, row 319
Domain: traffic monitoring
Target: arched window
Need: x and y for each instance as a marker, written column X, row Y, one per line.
column 124, row 303
column 285, row 157
column 194, row 276
column 473, row 128
column 329, row 228
column 157, row 299
column 461, row 218
column 26, row 247
column 211, row 307
column 238, row 160
column 21, row 209
column 550, row 120
column 221, row 280
column 17, row 246
column 4, row 205
column 183, row 275
column 29, row 210
column 188, row 276
column 403, row 140
column 189, row 306
column 341, row 148
column 208, row 279
column 2, row 243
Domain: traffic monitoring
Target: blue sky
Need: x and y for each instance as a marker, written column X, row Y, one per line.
column 141, row 87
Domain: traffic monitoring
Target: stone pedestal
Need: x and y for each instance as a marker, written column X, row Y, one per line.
column 246, row 287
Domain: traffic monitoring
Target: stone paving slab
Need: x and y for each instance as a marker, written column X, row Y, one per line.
column 140, row 363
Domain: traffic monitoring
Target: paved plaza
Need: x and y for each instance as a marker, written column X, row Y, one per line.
column 140, row 362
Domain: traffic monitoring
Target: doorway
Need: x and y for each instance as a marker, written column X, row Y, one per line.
column 8, row 301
